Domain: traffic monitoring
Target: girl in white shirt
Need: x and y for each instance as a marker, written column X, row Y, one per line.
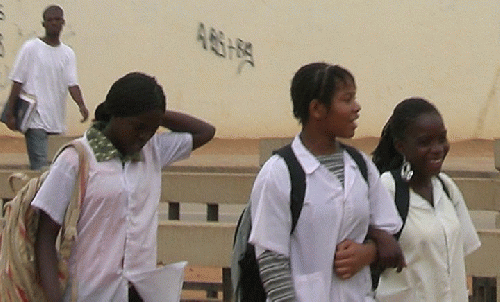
column 326, row 258
column 118, row 219
column 438, row 232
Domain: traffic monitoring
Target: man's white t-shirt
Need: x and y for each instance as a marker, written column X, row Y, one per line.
column 46, row 72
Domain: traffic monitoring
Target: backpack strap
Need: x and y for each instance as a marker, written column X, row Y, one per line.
column 401, row 198
column 445, row 188
column 297, row 181
column 69, row 228
column 359, row 159
column 73, row 211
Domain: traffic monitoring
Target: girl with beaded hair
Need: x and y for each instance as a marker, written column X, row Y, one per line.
column 437, row 233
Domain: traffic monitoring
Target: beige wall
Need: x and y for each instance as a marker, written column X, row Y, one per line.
column 447, row 51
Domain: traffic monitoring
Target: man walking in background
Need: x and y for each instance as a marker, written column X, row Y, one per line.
column 45, row 68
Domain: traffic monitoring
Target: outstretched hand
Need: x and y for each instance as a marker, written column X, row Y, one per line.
column 351, row 257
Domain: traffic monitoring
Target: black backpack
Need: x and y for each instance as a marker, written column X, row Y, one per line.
column 402, row 200
column 247, row 285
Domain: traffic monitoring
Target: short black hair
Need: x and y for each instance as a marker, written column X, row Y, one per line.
column 131, row 95
column 385, row 155
column 50, row 8
column 319, row 81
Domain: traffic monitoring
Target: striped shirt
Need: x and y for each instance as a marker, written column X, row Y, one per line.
column 334, row 162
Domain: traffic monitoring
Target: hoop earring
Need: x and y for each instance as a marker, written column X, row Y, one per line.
column 406, row 171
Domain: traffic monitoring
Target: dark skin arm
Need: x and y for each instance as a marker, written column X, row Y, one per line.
column 201, row 131
column 351, row 257
column 46, row 257
column 382, row 249
column 11, row 101
column 388, row 250
column 76, row 95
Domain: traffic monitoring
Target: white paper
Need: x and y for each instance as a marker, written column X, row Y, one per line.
column 26, row 107
column 163, row 284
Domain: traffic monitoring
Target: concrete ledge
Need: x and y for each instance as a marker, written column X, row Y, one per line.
column 55, row 142
column 485, row 219
column 482, row 194
column 268, row 145
column 484, row 262
column 6, row 191
column 496, row 152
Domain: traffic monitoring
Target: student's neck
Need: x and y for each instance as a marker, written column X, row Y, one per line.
column 422, row 185
column 419, row 180
column 51, row 40
column 318, row 144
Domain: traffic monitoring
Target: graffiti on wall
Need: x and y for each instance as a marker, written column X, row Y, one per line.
column 2, row 18
column 216, row 41
column 3, row 67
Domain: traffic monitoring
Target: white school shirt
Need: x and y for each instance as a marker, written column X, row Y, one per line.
column 118, row 220
column 329, row 216
column 435, row 241
column 46, row 72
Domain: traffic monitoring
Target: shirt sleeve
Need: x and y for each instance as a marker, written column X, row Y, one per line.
column 71, row 72
column 276, row 274
column 270, row 204
column 384, row 214
column 471, row 239
column 21, row 64
column 57, row 189
column 170, row 147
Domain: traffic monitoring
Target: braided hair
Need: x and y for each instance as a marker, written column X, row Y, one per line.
column 316, row 81
column 131, row 95
column 385, row 155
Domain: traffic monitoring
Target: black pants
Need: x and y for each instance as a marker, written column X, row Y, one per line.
column 133, row 295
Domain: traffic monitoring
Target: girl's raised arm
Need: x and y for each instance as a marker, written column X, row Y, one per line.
column 202, row 131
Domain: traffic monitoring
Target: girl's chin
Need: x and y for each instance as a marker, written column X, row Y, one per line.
column 434, row 170
column 347, row 134
column 435, row 167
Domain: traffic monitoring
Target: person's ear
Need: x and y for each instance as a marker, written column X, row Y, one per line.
column 317, row 110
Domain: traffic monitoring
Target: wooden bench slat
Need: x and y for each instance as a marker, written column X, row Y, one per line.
column 201, row 244
column 219, row 188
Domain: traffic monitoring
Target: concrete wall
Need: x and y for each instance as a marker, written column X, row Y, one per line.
column 447, row 51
